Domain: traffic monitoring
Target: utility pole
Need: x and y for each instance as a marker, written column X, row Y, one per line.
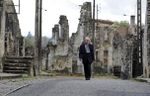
column 93, row 33
column 97, row 11
column 94, row 26
column 139, row 38
column 38, row 38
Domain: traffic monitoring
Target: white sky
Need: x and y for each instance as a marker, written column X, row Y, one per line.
column 109, row 10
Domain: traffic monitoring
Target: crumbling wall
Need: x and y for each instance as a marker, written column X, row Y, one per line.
column 146, row 44
column 10, row 34
column 61, row 64
column 104, row 36
column 123, row 46
column 58, row 57
column 84, row 29
column 2, row 31
column 60, row 37
column 13, row 39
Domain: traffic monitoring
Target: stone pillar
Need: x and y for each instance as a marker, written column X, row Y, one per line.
column 23, row 46
column 38, row 38
column 110, row 60
column 132, row 28
column 18, row 47
column 132, row 21
column 55, row 34
column 64, row 28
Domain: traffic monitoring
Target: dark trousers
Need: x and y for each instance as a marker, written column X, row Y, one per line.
column 87, row 68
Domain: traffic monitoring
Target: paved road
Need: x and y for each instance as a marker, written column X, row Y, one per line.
column 80, row 87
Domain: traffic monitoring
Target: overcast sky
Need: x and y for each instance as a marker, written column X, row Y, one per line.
column 109, row 10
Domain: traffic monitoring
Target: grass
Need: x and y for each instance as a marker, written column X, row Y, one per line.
column 95, row 75
column 54, row 74
column 139, row 80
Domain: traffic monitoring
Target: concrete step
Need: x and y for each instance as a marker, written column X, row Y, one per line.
column 19, row 65
column 9, row 76
column 16, row 71
column 16, row 68
column 16, row 64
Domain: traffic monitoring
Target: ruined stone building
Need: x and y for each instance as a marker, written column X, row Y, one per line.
column 58, row 57
column 11, row 40
column 146, row 43
column 84, row 29
column 104, row 35
column 123, row 47
column 116, row 45
column 104, row 38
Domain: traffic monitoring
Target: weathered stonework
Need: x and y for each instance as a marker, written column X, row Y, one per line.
column 123, row 53
column 2, row 30
column 83, row 30
column 124, row 49
column 104, row 35
column 10, row 33
column 58, row 58
column 115, row 45
column 146, row 44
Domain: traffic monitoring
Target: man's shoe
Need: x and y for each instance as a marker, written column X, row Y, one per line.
column 87, row 79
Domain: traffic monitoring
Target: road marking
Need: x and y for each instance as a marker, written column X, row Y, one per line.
column 16, row 89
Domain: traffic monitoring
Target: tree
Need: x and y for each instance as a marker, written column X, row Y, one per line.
column 121, row 24
column 29, row 40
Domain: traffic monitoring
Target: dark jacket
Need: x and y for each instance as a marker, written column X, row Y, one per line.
column 84, row 56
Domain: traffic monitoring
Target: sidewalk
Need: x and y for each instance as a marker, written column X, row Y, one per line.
column 143, row 79
column 8, row 86
column 9, row 76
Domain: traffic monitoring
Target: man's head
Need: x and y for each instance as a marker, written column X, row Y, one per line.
column 87, row 40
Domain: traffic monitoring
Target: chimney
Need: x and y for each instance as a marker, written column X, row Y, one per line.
column 132, row 20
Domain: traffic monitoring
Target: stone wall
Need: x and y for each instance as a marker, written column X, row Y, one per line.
column 2, row 30
column 13, row 38
column 10, row 34
column 59, row 57
column 83, row 30
column 146, row 44
column 104, row 35
column 115, row 45
column 124, row 44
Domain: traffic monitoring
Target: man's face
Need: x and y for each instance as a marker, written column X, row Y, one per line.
column 87, row 41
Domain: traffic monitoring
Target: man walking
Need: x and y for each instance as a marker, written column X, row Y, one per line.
column 86, row 54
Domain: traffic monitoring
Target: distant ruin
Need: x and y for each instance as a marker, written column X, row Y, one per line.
column 114, row 45
column 58, row 57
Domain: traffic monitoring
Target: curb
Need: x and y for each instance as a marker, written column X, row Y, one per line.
column 10, row 77
column 142, row 80
column 17, row 89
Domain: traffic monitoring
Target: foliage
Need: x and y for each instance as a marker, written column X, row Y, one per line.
column 45, row 41
column 29, row 41
column 121, row 24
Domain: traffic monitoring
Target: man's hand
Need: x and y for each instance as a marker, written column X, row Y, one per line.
column 80, row 59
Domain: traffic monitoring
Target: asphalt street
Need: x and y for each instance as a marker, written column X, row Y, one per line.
column 81, row 87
